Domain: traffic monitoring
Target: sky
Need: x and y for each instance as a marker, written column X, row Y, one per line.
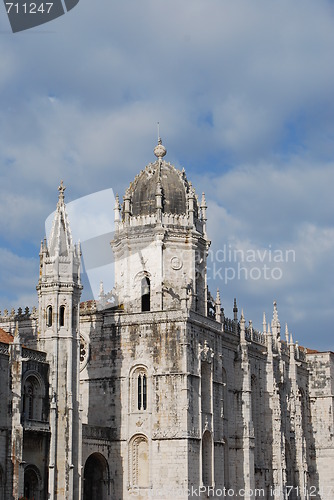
column 244, row 94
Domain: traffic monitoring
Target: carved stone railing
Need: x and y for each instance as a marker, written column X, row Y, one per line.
column 4, row 348
column 18, row 315
column 36, row 425
column 34, row 355
column 228, row 325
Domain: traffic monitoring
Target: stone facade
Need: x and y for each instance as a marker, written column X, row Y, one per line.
column 151, row 392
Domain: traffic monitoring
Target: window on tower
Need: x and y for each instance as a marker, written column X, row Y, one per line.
column 139, row 389
column 49, row 316
column 62, row 316
column 142, row 391
column 145, row 294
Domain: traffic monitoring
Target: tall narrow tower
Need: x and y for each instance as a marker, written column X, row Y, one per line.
column 59, row 289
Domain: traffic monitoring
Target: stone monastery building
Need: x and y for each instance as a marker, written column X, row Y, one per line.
column 151, row 392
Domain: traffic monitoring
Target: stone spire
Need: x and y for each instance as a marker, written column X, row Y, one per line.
column 191, row 203
column 158, row 197
column 203, row 207
column 286, row 333
column 264, row 323
column 117, row 211
column 235, row 310
column 60, row 241
column 275, row 324
column 235, row 316
column 242, row 328
column 218, row 307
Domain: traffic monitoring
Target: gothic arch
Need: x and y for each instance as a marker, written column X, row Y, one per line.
column 62, row 310
column 142, row 286
column 304, row 411
column 96, row 477
column 49, row 318
column 207, row 465
column 33, row 391
column 139, row 392
column 139, row 276
column 139, row 472
column 32, row 483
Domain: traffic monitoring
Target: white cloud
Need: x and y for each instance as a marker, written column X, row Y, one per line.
column 18, row 279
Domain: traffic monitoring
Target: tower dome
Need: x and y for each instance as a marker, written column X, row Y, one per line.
column 160, row 179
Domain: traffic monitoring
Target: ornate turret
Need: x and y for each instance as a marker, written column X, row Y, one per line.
column 160, row 237
column 59, row 289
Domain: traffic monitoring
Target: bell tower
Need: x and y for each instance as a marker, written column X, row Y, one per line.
column 160, row 244
column 59, row 289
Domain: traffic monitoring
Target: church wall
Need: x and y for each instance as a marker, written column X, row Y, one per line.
column 122, row 348
column 322, row 414
column 5, row 471
column 4, row 386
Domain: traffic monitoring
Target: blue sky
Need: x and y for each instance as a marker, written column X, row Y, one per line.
column 244, row 93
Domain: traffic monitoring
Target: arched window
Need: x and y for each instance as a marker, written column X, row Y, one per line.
column 32, row 399
column 49, row 316
column 207, row 459
column 138, row 389
column 145, row 294
column 142, row 391
column 139, row 462
column 62, row 316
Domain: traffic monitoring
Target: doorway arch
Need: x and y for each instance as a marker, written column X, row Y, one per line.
column 32, row 483
column 96, row 478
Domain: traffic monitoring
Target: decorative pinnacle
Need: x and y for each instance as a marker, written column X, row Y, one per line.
column 275, row 315
column 286, row 333
column 61, row 190
column 160, row 150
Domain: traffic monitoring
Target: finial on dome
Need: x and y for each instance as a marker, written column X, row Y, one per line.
column 160, row 150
